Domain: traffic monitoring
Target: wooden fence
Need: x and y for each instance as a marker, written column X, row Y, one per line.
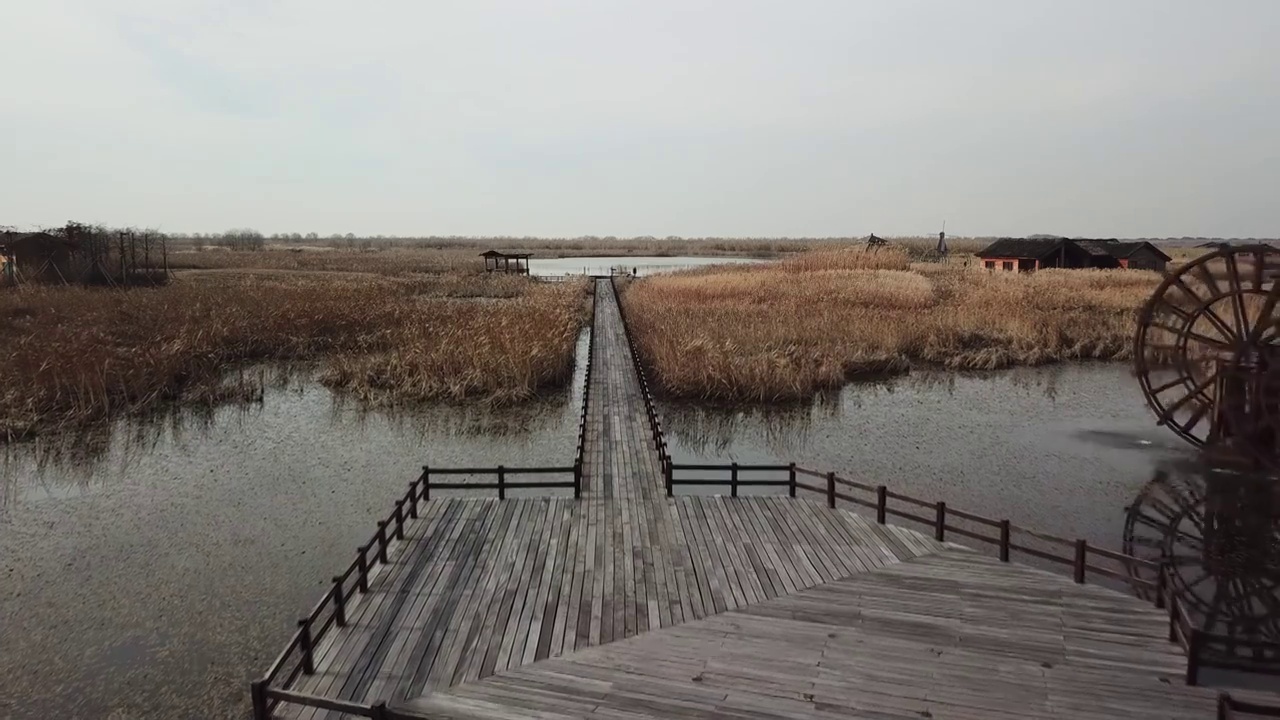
column 1229, row 707
column 298, row 657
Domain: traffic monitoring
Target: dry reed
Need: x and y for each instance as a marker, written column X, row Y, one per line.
column 74, row 355
column 788, row 329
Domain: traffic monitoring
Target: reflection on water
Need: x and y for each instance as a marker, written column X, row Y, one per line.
column 150, row 567
column 1062, row 449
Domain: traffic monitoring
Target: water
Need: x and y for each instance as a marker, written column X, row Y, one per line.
column 643, row 265
column 155, row 569
column 1061, row 449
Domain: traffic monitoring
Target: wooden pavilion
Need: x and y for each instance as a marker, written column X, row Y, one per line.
column 495, row 261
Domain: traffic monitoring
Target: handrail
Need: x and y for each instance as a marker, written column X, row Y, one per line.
column 333, row 609
column 580, row 454
column 503, row 483
column 1228, row 707
column 655, row 422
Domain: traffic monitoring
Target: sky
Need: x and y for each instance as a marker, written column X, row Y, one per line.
column 747, row 118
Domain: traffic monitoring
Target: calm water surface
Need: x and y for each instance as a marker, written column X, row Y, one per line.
column 153, row 570
column 1060, row 449
column 643, row 265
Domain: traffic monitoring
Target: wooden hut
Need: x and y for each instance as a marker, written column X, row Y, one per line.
column 1037, row 253
column 517, row 263
column 1033, row 254
column 1133, row 255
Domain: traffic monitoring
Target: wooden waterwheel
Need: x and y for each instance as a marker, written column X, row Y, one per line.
column 1207, row 354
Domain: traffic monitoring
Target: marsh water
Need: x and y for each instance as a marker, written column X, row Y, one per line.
column 1061, row 449
column 641, row 265
column 156, row 567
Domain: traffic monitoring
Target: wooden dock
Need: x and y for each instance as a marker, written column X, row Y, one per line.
column 628, row 603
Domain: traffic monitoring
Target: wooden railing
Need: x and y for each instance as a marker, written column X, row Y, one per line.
column 580, row 455
column 298, row 657
column 1084, row 560
column 1229, row 707
column 502, row 482
column 650, row 408
column 1210, row 650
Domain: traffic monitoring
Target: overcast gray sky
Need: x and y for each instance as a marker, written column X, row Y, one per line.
column 690, row 117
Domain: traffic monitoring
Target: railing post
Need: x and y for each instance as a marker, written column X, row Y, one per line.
column 502, row 483
column 426, row 483
column 1173, row 619
column 1224, row 706
column 670, row 479
column 362, row 568
column 882, row 503
column 940, row 522
column 1193, row 656
column 733, row 479
column 1005, row 529
column 791, row 480
column 1082, row 550
column 1161, row 580
column 258, row 695
column 577, row 479
column 308, row 659
column 831, row 489
column 413, row 500
column 398, row 513
column 382, row 541
column 379, row 711
column 339, row 603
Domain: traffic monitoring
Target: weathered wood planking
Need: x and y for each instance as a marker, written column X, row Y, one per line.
column 481, row 586
column 948, row 636
column 619, row 459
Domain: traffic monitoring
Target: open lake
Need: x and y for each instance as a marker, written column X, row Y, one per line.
column 642, row 265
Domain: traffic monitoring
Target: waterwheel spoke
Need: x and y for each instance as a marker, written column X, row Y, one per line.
column 1264, row 321
column 1238, row 310
column 1166, row 415
column 1206, row 306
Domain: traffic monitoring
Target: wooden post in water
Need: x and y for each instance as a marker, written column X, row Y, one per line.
column 733, row 479
column 308, row 659
column 1005, row 529
column 882, row 503
column 831, row 490
column 940, row 522
column 791, row 480
column 1081, row 555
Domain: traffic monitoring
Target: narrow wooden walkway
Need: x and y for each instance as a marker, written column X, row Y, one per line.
column 619, row 457
column 480, row 586
column 947, row 636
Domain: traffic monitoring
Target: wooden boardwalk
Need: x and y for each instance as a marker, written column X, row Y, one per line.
column 619, row 459
column 630, row 604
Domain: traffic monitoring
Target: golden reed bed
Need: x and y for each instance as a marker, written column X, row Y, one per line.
column 788, row 329
column 71, row 356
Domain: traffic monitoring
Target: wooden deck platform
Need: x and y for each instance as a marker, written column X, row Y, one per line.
column 630, row 604
column 952, row 635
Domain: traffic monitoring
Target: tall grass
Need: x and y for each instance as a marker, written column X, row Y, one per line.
column 788, row 329
column 72, row 356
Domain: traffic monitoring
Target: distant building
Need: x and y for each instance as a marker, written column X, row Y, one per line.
column 38, row 256
column 1035, row 254
column 517, row 263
